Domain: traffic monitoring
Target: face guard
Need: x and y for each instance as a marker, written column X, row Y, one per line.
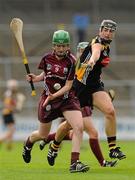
column 108, row 24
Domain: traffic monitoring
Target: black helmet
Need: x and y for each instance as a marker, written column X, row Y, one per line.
column 109, row 24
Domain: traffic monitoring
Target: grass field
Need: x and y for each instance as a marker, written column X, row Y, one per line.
column 12, row 166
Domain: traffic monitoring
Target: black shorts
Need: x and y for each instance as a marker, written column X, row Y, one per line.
column 8, row 119
column 84, row 92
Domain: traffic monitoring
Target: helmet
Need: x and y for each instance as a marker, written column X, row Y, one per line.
column 109, row 24
column 12, row 84
column 61, row 37
column 82, row 45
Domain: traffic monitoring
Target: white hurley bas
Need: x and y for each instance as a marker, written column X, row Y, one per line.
column 57, row 86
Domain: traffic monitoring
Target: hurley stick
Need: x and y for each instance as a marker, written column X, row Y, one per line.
column 16, row 26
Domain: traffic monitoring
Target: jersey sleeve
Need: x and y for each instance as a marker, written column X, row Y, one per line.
column 71, row 73
column 42, row 64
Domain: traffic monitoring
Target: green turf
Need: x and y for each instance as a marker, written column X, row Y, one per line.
column 12, row 166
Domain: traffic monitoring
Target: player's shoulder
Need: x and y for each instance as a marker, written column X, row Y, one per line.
column 47, row 55
column 97, row 39
column 71, row 57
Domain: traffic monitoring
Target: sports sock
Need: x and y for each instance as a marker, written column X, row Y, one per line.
column 74, row 157
column 111, row 142
column 68, row 136
column 55, row 145
column 95, row 147
column 50, row 137
column 28, row 143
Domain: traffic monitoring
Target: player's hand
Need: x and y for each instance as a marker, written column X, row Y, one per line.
column 49, row 98
column 84, row 65
column 91, row 63
column 31, row 77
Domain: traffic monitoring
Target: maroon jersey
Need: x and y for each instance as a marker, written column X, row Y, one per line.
column 57, row 71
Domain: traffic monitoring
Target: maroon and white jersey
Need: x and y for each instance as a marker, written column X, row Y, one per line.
column 57, row 71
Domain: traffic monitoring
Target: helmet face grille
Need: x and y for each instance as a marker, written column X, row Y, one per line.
column 109, row 24
column 61, row 37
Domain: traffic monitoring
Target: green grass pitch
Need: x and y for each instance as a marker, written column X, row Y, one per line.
column 12, row 166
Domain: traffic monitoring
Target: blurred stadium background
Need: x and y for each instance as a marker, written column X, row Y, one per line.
column 41, row 18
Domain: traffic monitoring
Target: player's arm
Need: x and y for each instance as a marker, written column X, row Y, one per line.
column 64, row 89
column 96, row 51
column 60, row 92
column 20, row 102
column 35, row 78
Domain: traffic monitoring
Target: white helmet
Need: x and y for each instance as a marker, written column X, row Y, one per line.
column 82, row 45
column 80, row 48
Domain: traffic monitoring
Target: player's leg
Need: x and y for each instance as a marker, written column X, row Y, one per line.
column 9, row 123
column 103, row 102
column 77, row 125
column 37, row 135
column 9, row 135
column 93, row 134
column 111, row 93
column 94, row 143
column 62, row 133
column 44, row 142
column 75, row 120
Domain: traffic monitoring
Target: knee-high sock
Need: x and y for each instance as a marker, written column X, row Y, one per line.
column 51, row 137
column 55, row 145
column 28, row 143
column 95, row 147
column 111, row 142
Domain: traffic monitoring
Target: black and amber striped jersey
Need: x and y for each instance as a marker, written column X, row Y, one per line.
column 84, row 73
column 9, row 102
